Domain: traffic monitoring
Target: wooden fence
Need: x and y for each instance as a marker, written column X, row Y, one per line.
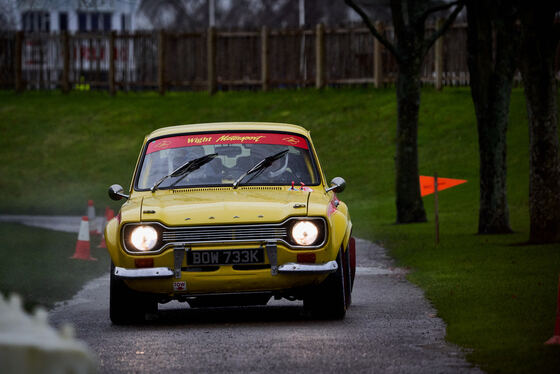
column 217, row 60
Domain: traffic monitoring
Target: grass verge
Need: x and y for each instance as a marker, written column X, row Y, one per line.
column 497, row 297
column 36, row 264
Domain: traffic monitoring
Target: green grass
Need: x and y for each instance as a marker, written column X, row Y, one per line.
column 36, row 264
column 497, row 297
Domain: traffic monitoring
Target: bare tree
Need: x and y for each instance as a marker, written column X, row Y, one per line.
column 539, row 39
column 8, row 15
column 328, row 12
column 492, row 50
column 174, row 14
column 410, row 48
column 239, row 14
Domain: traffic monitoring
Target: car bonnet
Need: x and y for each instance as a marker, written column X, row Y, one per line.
column 225, row 206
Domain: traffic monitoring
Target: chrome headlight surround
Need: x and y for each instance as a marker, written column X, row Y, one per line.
column 142, row 238
column 306, row 232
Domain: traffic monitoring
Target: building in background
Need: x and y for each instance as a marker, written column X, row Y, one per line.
column 74, row 15
column 179, row 15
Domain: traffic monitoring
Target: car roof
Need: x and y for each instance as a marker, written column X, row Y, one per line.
column 228, row 126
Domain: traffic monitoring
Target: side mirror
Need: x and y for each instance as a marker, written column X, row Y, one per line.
column 338, row 184
column 116, row 192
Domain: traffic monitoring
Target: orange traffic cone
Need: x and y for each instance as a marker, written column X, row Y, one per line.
column 91, row 217
column 101, row 223
column 101, row 231
column 556, row 338
column 102, row 243
column 82, row 245
column 109, row 214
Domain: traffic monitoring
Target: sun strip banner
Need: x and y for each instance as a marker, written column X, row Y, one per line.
column 226, row 138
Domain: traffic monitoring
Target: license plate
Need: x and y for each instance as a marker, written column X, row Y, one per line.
column 226, row 257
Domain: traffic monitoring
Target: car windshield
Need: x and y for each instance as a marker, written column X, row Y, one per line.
column 236, row 153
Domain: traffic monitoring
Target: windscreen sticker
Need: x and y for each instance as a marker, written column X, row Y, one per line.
column 226, row 138
column 303, row 188
column 333, row 205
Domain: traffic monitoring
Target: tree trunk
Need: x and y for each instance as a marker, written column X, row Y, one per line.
column 537, row 66
column 491, row 50
column 410, row 207
column 409, row 18
column 492, row 128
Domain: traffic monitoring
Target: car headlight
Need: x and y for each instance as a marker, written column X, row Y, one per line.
column 305, row 233
column 144, row 238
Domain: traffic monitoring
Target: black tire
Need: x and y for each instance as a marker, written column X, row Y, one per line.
column 125, row 305
column 348, row 282
column 352, row 266
column 328, row 300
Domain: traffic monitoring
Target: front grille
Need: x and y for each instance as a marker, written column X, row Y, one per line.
column 224, row 234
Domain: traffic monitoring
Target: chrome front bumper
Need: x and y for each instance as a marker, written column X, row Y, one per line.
column 292, row 267
column 329, row 267
column 143, row 273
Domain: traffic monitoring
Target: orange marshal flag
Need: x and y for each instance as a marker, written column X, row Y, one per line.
column 427, row 184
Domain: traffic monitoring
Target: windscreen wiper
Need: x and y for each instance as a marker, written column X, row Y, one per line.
column 258, row 168
column 185, row 169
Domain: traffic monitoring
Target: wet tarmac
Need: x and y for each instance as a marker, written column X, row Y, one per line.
column 390, row 328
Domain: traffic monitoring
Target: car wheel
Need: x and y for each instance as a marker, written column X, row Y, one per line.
column 328, row 300
column 125, row 305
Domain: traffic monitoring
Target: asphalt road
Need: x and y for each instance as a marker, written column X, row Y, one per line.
column 390, row 328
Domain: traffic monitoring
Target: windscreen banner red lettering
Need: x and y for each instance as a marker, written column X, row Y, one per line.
column 231, row 138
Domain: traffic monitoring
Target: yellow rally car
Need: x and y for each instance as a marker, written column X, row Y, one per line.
column 228, row 214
